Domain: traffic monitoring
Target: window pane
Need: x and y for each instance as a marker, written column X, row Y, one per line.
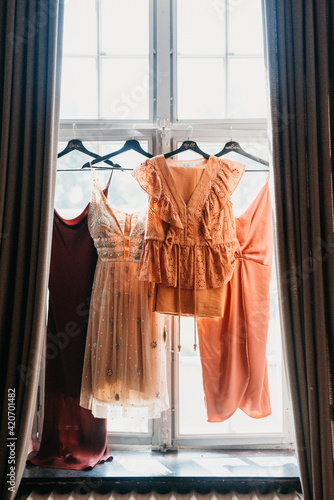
column 250, row 184
column 125, row 27
column 245, row 27
column 125, row 194
column 73, row 189
column 247, row 88
column 192, row 412
column 80, row 27
column 130, row 420
column 200, row 88
column 79, row 80
column 200, row 27
column 125, row 88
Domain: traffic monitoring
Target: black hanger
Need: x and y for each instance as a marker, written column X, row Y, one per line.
column 76, row 144
column 185, row 146
column 233, row 146
column 128, row 145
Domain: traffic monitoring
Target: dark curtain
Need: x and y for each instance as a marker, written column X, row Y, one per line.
column 300, row 50
column 30, row 42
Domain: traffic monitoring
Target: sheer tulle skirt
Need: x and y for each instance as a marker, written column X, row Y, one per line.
column 125, row 355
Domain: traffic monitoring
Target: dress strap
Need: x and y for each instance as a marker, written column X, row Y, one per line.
column 195, row 298
column 179, row 297
column 179, row 294
column 108, row 183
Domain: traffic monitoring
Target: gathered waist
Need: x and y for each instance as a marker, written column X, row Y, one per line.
column 198, row 266
column 190, row 244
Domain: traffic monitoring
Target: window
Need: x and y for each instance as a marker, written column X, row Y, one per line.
column 110, row 43
column 220, row 62
column 162, row 71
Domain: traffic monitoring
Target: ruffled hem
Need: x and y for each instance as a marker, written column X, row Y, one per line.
column 160, row 204
column 138, row 409
column 214, row 264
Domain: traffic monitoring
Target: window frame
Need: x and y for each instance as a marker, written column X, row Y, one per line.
column 163, row 131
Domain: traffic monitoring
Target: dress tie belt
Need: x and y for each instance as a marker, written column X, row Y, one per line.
column 179, row 296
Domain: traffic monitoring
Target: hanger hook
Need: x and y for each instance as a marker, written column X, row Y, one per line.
column 231, row 133
column 74, row 127
column 190, row 130
column 133, row 131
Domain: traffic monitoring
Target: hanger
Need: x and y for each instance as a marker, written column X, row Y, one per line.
column 186, row 145
column 76, row 144
column 130, row 144
column 235, row 146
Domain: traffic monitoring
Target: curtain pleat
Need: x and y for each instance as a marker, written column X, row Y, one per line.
column 300, row 42
column 30, row 61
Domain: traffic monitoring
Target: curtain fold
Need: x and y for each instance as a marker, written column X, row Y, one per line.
column 300, row 42
column 30, row 58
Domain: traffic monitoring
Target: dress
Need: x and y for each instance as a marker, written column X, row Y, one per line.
column 125, row 353
column 233, row 348
column 72, row 438
column 190, row 238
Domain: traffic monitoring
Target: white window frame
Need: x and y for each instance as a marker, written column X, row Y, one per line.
column 163, row 131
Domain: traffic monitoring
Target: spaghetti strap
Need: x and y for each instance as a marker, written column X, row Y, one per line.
column 108, row 183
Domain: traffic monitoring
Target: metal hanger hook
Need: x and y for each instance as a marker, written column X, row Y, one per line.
column 190, row 130
column 231, row 133
column 133, row 131
column 74, row 127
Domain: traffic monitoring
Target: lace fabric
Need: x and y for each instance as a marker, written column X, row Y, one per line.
column 125, row 358
column 194, row 239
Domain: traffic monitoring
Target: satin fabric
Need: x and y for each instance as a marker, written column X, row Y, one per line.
column 233, row 348
column 72, row 438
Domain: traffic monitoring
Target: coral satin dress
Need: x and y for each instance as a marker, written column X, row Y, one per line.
column 233, row 348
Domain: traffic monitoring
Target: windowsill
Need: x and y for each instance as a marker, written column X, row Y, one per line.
column 187, row 470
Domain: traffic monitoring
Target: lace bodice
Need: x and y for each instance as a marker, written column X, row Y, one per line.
column 189, row 243
column 116, row 235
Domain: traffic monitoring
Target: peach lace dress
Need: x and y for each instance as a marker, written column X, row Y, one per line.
column 190, row 237
column 125, row 358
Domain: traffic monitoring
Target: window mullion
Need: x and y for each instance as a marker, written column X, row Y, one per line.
column 163, row 60
column 227, row 51
column 98, row 57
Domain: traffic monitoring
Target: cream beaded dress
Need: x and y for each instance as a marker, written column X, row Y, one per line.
column 125, row 358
